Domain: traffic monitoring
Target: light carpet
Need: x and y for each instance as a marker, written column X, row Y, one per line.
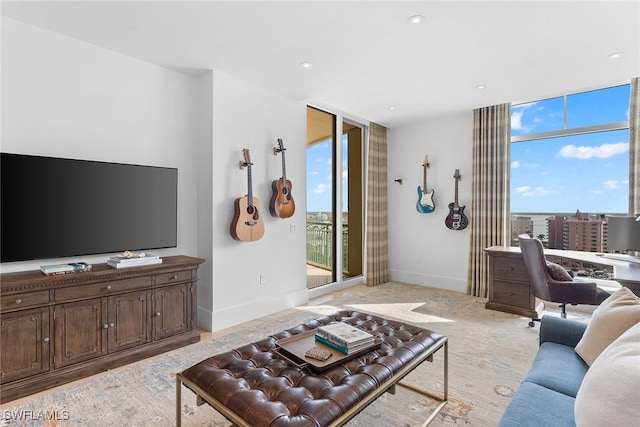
column 490, row 352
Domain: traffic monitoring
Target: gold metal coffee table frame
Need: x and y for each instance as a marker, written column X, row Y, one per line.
column 388, row 386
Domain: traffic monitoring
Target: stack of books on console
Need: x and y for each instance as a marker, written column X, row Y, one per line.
column 131, row 259
column 72, row 267
column 344, row 337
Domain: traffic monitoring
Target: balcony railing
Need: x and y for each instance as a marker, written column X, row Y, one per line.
column 319, row 238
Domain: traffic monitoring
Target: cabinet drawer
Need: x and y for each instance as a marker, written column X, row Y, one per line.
column 100, row 289
column 175, row 277
column 508, row 293
column 23, row 300
column 510, row 269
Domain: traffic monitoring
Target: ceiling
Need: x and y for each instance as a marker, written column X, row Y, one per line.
column 368, row 60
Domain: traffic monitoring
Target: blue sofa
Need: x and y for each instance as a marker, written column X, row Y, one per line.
column 547, row 395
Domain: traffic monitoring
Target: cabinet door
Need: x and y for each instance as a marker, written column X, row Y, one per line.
column 24, row 336
column 80, row 331
column 172, row 310
column 129, row 320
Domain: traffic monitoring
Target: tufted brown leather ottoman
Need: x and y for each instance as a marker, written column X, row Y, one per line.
column 251, row 386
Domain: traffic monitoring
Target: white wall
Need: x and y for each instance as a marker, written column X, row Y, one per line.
column 204, row 167
column 422, row 250
column 65, row 98
column 247, row 116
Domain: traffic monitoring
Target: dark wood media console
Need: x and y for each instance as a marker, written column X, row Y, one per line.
column 57, row 329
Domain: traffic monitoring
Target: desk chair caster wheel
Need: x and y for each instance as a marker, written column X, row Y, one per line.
column 532, row 322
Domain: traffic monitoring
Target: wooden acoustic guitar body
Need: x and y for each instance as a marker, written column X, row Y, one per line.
column 281, row 204
column 247, row 224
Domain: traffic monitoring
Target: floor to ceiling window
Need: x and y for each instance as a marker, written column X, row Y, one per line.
column 334, row 229
column 570, row 167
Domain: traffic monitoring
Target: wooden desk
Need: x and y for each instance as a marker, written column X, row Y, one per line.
column 509, row 288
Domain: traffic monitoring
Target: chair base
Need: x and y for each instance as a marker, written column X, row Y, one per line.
column 563, row 314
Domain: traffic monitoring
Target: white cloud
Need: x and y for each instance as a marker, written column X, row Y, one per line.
column 539, row 191
column 602, row 152
column 320, row 188
column 517, row 164
column 611, row 184
column 314, row 173
column 516, row 121
column 517, row 111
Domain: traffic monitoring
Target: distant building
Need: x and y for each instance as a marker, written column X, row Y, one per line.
column 554, row 231
column 520, row 225
column 579, row 232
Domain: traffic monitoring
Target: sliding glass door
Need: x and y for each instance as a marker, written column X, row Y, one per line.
column 334, row 228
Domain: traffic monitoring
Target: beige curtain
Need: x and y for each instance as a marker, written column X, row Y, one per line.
column 634, row 147
column 489, row 216
column 377, row 237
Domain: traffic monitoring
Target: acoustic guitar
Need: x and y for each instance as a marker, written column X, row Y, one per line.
column 425, row 198
column 456, row 220
column 281, row 204
column 247, row 224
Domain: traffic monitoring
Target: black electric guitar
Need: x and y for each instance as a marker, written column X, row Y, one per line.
column 425, row 198
column 281, row 204
column 247, row 224
column 456, row 220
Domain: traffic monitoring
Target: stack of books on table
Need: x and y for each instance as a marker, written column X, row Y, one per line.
column 344, row 337
column 120, row 261
column 72, row 267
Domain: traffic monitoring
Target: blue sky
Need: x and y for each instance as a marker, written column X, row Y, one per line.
column 319, row 166
column 589, row 172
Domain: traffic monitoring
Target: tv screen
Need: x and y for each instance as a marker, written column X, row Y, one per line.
column 53, row 207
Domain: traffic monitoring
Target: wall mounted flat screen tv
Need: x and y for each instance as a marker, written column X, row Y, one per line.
column 54, row 207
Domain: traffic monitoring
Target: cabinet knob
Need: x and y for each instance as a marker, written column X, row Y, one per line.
column 111, row 325
column 174, row 277
column 19, row 301
column 108, row 287
column 157, row 314
column 46, row 339
column 105, row 326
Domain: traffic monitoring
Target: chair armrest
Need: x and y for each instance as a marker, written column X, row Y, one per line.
column 561, row 331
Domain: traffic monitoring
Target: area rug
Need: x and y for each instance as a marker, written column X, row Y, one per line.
column 490, row 352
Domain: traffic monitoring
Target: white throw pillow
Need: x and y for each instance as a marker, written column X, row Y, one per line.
column 608, row 395
column 615, row 315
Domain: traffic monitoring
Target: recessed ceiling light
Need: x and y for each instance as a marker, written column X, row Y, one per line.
column 615, row 55
column 480, row 87
column 416, row 19
column 392, row 107
column 306, row 64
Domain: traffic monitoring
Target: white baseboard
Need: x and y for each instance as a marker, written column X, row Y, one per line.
column 432, row 281
column 232, row 316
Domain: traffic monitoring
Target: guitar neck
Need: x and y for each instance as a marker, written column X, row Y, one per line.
column 455, row 199
column 424, row 178
column 249, row 185
column 284, row 168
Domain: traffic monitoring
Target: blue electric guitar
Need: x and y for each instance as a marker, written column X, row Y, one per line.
column 425, row 198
